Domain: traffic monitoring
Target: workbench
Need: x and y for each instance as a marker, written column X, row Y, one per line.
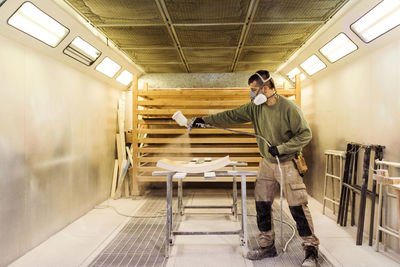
column 170, row 175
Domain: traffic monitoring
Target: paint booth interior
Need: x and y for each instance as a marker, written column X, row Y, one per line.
column 88, row 92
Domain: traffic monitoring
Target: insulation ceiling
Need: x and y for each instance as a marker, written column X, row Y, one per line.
column 208, row 35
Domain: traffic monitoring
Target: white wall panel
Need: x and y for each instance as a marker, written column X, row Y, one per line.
column 355, row 100
column 57, row 129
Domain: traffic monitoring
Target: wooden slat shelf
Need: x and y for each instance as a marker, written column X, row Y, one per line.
column 157, row 93
column 193, row 131
column 205, row 140
column 155, row 159
column 186, row 112
column 168, row 121
column 156, row 135
column 154, row 168
column 196, row 103
column 177, row 150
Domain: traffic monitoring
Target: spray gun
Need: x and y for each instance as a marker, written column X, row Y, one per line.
column 182, row 121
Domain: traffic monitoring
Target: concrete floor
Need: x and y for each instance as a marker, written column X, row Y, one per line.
column 80, row 242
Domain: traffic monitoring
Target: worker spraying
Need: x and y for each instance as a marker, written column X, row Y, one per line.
column 281, row 122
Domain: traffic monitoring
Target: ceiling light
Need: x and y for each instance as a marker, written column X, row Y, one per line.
column 292, row 74
column 312, row 65
column 31, row 20
column 125, row 77
column 82, row 51
column 338, row 47
column 108, row 67
column 379, row 20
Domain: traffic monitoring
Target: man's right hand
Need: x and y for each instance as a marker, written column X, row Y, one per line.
column 198, row 123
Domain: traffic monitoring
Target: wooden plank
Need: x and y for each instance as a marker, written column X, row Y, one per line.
column 170, row 112
column 155, row 168
column 121, row 177
column 130, row 160
column 119, row 153
column 193, row 131
column 126, row 187
column 148, row 178
column 134, row 185
column 121, row 127
column 194, row 92
column 382, row 177
column 205, row 92
column 209, row 97
column 194, row 102
column 178, row 150
column 396, row 187
column 114, row 180
column 204, row 140
column 164, row 121
column 155, row 159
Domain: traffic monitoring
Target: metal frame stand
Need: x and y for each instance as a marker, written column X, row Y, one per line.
column 382, row 226
column 350, row 187
column 233, row 207
column 332, row 157
column 169, row 221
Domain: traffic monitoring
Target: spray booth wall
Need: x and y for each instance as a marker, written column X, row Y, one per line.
column 355, row 99
column 57, row 130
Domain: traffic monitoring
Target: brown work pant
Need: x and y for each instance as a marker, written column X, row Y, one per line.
column 267, row 184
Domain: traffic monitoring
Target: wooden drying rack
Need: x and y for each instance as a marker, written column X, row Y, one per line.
column 155, row 135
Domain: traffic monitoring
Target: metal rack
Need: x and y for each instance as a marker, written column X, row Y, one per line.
column 333, row 158
column 241, row 232
column 382, row 225
column 233, row 207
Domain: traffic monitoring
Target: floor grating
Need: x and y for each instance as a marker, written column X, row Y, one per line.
column 141, row 241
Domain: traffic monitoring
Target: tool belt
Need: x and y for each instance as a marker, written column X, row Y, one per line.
column 300, row 164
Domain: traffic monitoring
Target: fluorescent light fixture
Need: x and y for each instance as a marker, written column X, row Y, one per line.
column 108, row 67
column 338, row 47
column 292, row 74
column 33, row 21
column 312, row 65
column 379, row 20
column 82, row 51
column 125, row 77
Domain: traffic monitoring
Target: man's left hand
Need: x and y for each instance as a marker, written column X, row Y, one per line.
column 273, row 150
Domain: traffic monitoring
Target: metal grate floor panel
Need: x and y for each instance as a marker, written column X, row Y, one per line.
column 294, row 254
column 141, row 242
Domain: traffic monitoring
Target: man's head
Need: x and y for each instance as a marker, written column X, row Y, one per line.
column 262, row 82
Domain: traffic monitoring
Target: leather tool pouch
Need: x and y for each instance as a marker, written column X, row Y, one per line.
column 300, row 164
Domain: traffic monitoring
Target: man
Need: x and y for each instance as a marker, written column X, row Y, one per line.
column 281, row 122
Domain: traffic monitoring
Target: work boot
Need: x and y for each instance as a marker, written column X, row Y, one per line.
column 262, row 252
column 311, row 258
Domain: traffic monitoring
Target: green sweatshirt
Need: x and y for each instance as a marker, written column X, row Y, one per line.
column 281, row 124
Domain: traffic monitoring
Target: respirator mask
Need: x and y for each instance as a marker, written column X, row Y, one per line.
column 258, row 98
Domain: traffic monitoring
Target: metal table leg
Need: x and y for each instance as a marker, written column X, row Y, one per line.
column 168, row 240
column 234, row 192
column 244, row 213
column 378, row 222
column 180, row 196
